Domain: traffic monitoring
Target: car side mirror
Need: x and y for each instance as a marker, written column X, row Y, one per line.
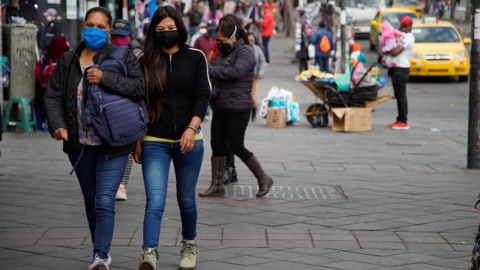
column 374, row 24
column 467, row 40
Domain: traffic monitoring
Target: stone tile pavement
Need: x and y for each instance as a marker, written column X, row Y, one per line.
column 407, row 199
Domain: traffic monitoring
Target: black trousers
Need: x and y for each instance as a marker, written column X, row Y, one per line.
column 266, row 48
column 230, row 162
column 322, row 63
column 303, row 65
column 231, row 126
column 399, row 81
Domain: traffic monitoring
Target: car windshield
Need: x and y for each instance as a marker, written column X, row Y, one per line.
column 435, row 34
column 394, row 18
column 363, row 3
column 406, row 3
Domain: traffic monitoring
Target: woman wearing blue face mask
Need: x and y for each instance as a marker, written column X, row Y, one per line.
column 101, row 167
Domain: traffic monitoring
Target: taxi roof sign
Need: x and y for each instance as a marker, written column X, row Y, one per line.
column 430, row 20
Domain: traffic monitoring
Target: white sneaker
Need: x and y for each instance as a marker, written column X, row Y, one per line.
column 121, row 193
column 98, row 264
column 109, row 260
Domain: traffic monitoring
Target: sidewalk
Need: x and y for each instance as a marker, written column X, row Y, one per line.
column 397, row 200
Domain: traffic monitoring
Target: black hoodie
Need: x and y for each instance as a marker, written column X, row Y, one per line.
column 186, row 96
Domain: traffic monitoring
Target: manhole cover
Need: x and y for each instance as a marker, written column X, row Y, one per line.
column 288, row 192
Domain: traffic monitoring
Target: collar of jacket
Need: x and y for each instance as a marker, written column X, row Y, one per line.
column 184, row 47
column 108, row 48
column 237, row 44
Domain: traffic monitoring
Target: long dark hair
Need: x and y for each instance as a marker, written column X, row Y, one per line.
column 154, row 61
column 227, row 29
column 230, row 18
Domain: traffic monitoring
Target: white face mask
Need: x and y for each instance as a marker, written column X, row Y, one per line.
column 202, row 31
column 132, row 13
column 49, row 19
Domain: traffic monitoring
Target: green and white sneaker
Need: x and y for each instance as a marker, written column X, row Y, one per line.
column 150, row 257
column 189, row 252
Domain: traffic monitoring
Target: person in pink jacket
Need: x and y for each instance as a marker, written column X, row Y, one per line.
column 266, row 24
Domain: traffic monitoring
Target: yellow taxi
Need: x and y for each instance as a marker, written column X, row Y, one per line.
column 392, row 15
column 408, row 4
column 439, row 50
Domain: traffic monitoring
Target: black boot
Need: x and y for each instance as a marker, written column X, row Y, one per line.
column 227, row 176
column 234, row 177
column 254, row 114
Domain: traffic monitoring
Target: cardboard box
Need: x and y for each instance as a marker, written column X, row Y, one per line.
column 352, row 119
column 276, row 118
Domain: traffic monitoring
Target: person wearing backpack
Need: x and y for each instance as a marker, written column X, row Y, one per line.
column 177, row 95
column 98, row 165
column 323, row 42
column 44, row 69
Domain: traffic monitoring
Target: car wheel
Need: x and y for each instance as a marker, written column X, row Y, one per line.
column 463, row 78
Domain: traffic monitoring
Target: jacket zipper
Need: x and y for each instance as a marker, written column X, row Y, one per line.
column 173, row 102
column 105, row 105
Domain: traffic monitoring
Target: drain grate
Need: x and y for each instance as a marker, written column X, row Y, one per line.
column 288, row 192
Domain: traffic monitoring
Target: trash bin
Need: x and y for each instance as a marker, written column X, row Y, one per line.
column 19, row 44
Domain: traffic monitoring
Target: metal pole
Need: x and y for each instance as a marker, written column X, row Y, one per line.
column 474, row 108
column 468, row 11
column 452, row 9
column 343, row 22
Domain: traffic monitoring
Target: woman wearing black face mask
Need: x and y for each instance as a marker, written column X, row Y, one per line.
column 177, row 94
column 233, row 70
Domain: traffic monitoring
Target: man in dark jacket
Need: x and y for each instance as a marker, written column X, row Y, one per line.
column 322, row 56
column 53, row 29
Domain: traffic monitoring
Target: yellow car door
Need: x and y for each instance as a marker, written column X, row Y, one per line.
column 375, row 28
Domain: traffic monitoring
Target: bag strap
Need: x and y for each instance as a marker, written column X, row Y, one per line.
column 119, row 54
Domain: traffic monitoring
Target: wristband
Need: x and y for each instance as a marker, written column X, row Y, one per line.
column 195, row 125
column 189, row 127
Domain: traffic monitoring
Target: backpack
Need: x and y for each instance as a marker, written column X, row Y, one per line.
column 325, row 44
column 47, row 72
column 117, row 120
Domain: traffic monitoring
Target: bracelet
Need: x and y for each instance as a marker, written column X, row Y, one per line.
column 189, row 127
column 193, row 124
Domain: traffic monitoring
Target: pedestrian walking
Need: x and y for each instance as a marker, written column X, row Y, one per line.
column 230, row 175
column 121, row 36
column 178, row 90
column 132, row 20
column 260, row 65
column 207, row 41
column 99, row 167
column 400, row 72
column 232, row 72
column 53, row 29
column 44, row 70
column 195, row 18
column 267, row 25
column 202, row 30
column 323, row 42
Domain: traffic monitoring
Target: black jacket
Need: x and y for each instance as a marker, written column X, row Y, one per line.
column 186, row 96
column 52, row 30
column 61, row 94
column 234, row 74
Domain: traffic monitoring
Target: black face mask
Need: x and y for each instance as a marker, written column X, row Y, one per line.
column 224, row 48
column 166, row 39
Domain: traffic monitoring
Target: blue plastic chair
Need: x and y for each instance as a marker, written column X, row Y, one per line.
column 12, row 115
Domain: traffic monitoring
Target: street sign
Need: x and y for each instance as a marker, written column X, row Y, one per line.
column 71, row 9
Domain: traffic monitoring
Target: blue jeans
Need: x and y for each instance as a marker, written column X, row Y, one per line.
column 156, row 158
column 99, row 180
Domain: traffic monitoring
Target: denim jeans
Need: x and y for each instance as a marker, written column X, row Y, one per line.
column 99, row 179
column 156, row 158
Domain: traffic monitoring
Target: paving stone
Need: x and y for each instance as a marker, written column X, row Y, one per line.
column 66, row 233
column 246, row 260
column 342, row 245
column 417, row 246
column 382, row 245
column 314, row 260
column 282, row 265
column 352, row 265
column 289, row 243
column 297, row 236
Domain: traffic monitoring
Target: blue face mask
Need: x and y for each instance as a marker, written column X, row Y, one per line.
column 94, row 37
column 211, row 33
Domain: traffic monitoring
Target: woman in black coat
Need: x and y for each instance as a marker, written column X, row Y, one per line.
column 232, row 71
column 99, row 167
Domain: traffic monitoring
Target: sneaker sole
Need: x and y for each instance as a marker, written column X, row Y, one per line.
column 146, row 265
column 120, row 199
column 100, row 267
column 400, row 128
